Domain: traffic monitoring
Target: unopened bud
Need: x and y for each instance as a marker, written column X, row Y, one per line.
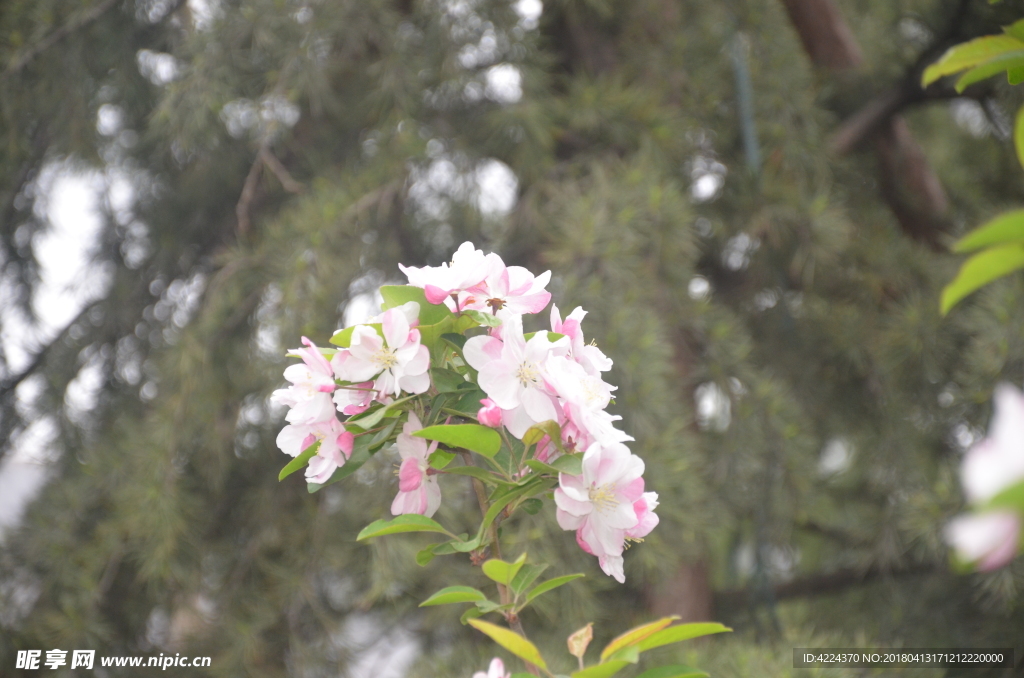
column 489, row 414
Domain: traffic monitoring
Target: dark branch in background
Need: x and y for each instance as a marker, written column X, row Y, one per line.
column 910, row 185
column 822, row 584
column 64, row 31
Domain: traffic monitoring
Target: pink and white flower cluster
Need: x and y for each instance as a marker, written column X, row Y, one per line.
column 373, row 367
column 990, row 537
column 531, row 379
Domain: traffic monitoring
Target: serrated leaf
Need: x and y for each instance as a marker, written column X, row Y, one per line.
column 601, row 670
column 409, row 522
column 550, row 585
column 454, row 594
column 299, row 461
column 526, row 576
column 635, row 635
column 675, row 671
column 440, row 458
column 446, row 381
column 980, row 270
column 1003, row 229
column 970, row 54
column 502, row 572
column 396, row 295
column 681, row 632
column 479, row 439
column 511, row 641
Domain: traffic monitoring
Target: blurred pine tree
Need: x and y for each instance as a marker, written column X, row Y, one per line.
column 779, row 354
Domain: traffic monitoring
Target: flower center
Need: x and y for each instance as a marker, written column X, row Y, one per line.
column 496, row 304
column 385, row 358
column 603, row 498
column 528, row 375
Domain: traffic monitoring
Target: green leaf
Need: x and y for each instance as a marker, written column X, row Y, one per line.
column 681, row 632
column 1005, row 62
column 675, row 671
column 466, row 546
column 471, row 613
column 299, row 461
column 1011, row 497
column 469, row 404
column 1015, row 30
column 980, row 270
column 409, row 522
column 424, row 556
column 502, row 572
column 511, row 641
column 454, row 594
column 970, row 54
column 635, row 635
column 479, row 439
column 532, row 506
column 343, row 337
column 440, row 458
column 569, row 464
column 486, row 319
column 549, row 585
column 396, row 295
column 500, row 502
column 535, row 433
column 552, row 336
column 457, row 341
column 601, row 670
column 446, row 381
column 478, row 473
column 526, row 576
column 372, row 417
column 1006, row 228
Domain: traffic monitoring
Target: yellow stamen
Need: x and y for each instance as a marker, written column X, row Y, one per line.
column 603, row 498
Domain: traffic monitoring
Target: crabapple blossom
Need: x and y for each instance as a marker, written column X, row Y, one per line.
column 469, row 267
column 593, row 360
column 312, row 382
column 397, row 362
column 511, row 373
column 354, row 399
column 646, row 518
column 988, row 539
column 418, row 492
column 583, row 397
column 995, row 463
column 496, row 670
column 335, row 446
column 489, row 414
column 513, row 290
column 599, row 503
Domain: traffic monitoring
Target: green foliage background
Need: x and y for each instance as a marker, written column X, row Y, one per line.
column 164, row 528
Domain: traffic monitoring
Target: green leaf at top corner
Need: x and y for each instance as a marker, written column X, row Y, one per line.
column 409, row 522
column 970, row 54
column 1004, row 228
column 980, row 270
column 396, row 295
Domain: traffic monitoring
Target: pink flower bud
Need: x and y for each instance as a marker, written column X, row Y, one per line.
column 489, row 414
